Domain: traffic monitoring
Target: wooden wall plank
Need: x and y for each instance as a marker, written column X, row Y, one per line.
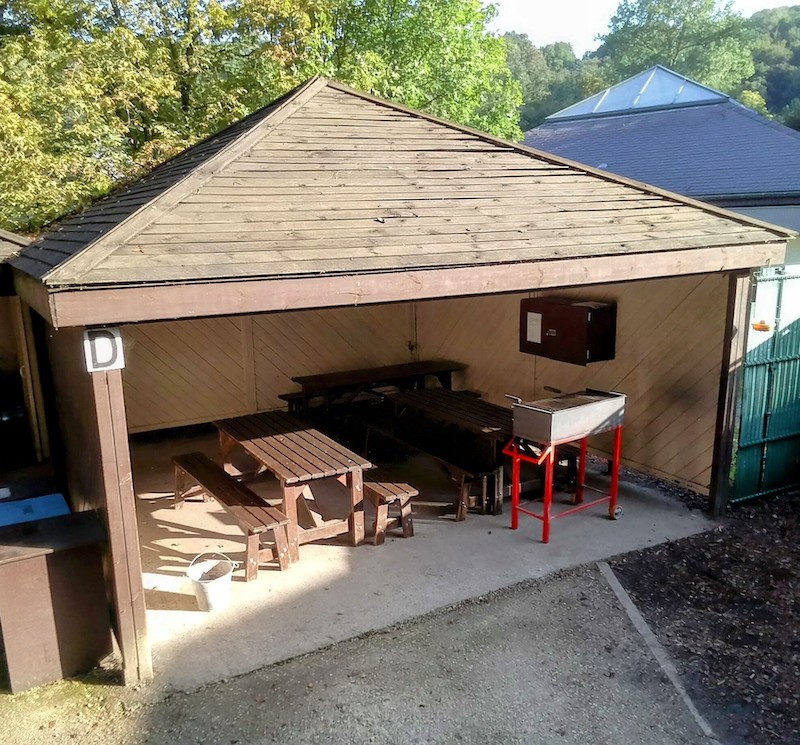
column 186, row 371
column 668, row 361
column 731, row 375
column 309, row 342
column 28, row 365
column 195, row 371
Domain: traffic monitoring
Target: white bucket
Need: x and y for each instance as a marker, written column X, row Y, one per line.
column 211, row 579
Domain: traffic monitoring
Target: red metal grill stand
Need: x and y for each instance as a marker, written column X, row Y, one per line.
column 515, row 449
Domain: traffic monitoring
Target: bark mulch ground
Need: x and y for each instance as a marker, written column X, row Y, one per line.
column 726, row 605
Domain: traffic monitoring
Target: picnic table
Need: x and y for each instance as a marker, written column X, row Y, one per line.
column 299, row 455
column 486, row 420
column 487, row 425
column 330, row 386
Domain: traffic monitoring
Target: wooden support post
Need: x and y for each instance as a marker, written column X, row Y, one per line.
column 123, row 534
column 730, row 390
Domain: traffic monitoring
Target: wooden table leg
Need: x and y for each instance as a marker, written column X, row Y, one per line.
column 180, row 484
column 226, row 446
column 289, row 508
column 355, row 481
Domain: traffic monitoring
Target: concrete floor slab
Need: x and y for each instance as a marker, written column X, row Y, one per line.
column 337, row 592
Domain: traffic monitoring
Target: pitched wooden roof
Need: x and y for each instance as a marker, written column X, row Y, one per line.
column 329, row 181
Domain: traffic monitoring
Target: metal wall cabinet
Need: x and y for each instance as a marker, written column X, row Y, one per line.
column 569, row 330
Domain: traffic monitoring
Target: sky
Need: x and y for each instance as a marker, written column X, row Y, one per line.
column 579, row 21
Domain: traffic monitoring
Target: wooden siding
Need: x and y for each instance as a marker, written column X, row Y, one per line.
column 8, row 336
column 333, row 181
column 669, row 352
column 309, row 342
column 184, row 372
column 77, row 418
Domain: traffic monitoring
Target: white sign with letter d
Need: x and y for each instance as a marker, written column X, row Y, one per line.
column 103, row 350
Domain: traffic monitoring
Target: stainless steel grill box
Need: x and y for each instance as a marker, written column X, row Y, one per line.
column 569, row 416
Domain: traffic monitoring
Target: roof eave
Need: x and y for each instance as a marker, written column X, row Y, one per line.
column 88, row 306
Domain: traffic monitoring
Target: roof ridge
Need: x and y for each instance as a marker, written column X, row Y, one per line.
column 193, row 179
column 16, row 238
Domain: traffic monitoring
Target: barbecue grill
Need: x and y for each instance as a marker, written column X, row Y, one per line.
column 569, row 416
column 540, row 426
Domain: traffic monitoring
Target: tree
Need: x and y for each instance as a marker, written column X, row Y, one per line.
column 776, row 53
column 702, row 39
column 550, row 77
column 433, row 55
column 93, row 92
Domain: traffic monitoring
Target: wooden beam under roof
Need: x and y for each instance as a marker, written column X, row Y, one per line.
column 97, row 306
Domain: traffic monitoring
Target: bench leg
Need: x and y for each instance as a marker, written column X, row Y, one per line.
column 251, row 557
column 497, row 507
column 463, row 500
column 405, row 518
column 281, row 538
column 381, row 516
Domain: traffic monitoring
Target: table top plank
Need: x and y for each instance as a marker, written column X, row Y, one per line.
column 291, row 438
column 271, row 451
column 324, row 446
column 468, row 412
column 374, row 376
column 291, row 450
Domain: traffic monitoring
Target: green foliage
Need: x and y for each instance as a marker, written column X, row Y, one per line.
column 754, row 100
column 551, row 77
column 94, row 92
column 776, row 53
column 702, row 39
column 433, row 55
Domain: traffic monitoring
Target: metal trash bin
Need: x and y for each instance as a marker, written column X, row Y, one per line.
column 54, row 614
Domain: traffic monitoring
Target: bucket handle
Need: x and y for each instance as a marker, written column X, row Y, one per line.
column 233, row 563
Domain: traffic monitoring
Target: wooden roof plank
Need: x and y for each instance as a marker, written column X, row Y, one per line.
column 288, row 191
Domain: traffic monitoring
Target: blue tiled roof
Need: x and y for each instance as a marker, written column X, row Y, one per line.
column 711, row 150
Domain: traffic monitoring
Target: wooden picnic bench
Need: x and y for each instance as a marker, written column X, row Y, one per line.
column 350, row 383
column 484, row 425
column 385, row 494
column 254, row 515
column 298, row 456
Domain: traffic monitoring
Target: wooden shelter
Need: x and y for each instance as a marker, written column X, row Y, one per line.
column 333, row 230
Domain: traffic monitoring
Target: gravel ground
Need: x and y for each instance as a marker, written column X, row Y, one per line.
column 726, row 605
column 553, row 661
